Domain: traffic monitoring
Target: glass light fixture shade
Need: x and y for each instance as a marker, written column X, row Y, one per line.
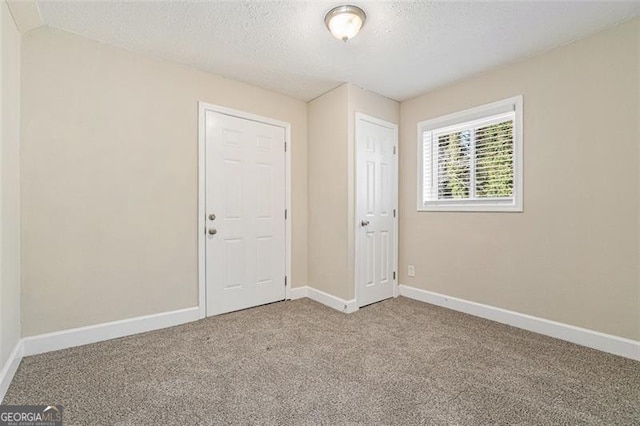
column 345, row 22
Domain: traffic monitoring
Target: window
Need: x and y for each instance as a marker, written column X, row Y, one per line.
column 472, row 160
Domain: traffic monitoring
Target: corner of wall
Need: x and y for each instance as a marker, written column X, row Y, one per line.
column 327, row 124
column 26, row 14
column 10, row 323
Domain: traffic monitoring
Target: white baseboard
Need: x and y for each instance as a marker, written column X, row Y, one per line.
column 9, row 369
column 346, row 306
column 33, row 345
column 593, row 339
column 298, row 293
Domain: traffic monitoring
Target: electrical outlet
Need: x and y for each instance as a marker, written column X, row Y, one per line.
column 411, row 271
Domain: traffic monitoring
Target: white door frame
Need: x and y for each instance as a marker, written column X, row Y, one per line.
column 390, row 125
column 203, row 107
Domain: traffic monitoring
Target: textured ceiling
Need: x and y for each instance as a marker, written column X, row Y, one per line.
column 404, row 49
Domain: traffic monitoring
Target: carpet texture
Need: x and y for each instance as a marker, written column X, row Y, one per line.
column 297, row 362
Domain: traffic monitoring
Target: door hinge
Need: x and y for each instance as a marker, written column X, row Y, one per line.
column 394, row 275
column 285, row 214
column 285, row 280
column 394, row 212
column 394, row 150
column 285, row 146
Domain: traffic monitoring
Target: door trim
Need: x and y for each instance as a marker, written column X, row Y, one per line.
column 361, row 116
column 203, row 107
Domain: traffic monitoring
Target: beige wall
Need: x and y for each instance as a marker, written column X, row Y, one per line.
column 109, row 174
column 331, row 119
column 9, row 184
column 572, row 256
column 327, row 166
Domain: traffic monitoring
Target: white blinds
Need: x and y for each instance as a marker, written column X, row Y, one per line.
column 469, row 161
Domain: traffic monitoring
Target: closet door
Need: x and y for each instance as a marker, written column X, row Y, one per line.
column 376, row 209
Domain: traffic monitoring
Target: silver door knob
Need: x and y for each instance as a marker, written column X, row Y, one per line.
column 212, row 216
column 364, row 223
column 213, row 231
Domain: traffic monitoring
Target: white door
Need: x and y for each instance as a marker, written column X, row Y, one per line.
column 245, row 213
column 376, row 204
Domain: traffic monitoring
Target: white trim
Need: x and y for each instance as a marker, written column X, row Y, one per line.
column 9, row 369
column 592, row 339
column 513, row 104
column 361, row 116
column 298, row 293
column 33, row 345
column 288, row 230
column 334, row 302
column 396, row 201
column 202, row 108
column 202, row 301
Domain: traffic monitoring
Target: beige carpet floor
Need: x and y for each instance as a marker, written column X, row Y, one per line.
column 298, row 362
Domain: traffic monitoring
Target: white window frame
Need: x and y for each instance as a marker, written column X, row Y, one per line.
column 465, row 118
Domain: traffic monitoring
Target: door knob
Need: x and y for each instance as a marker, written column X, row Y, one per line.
column 213, row 231
column 364, row 223
column 212, row 216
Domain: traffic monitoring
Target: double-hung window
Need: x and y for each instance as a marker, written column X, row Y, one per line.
column 472, row 160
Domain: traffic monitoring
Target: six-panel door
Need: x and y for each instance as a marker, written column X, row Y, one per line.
column 376, row 183
column 245, row 202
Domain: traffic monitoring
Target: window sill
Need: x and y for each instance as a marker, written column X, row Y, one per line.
column 472, row 208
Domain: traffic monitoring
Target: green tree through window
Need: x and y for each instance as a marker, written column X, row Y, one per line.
column 494, row 160
column 483, row 156
column 454, row 161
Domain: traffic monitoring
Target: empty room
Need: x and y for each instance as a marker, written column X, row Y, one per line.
column 268, row 212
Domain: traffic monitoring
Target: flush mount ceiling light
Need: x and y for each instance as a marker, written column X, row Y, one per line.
column 345, row 22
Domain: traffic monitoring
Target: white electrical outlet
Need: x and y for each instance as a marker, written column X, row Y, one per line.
column 411, row 271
